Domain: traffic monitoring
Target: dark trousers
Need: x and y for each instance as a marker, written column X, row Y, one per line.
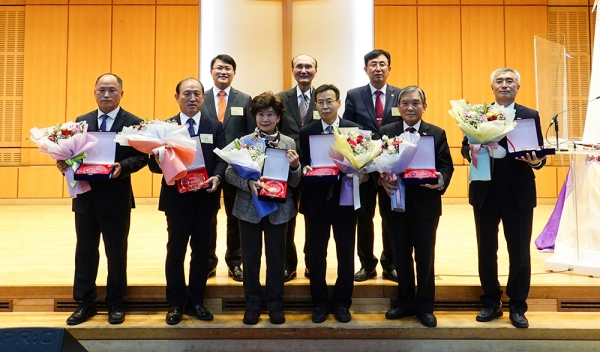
column 343, row 221
column 187, row 225
column 365, row 234
column 517, row 223
column 114, row 229
column 252, row 239
column 409, row 233
column 233, row 253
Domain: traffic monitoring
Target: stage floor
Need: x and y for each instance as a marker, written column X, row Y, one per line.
column 38, row 244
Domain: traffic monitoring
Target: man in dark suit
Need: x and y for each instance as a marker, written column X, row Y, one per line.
column 373, row 106
column 415, row 228
column 299, row 110
column 509, row 196
column 232, row 107
column 105, row 209
column 320, row 204
column 190, row 214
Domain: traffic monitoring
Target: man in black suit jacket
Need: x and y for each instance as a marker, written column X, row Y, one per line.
column 373, row 106
column 415, row 228
column 320, row 204
column 510, row 196
column 297, row 101
column 237, row 122
column 105, row 209
column 190, row 214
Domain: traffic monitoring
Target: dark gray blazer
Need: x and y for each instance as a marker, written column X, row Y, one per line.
column 234, row 126
column 291, row 123
column 360, row 109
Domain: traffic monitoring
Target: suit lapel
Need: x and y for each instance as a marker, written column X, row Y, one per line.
column 292, row 103
column 209, row 103
column 231, row 101
column 389, row 100
column 367, row 97
column 92, row 121
column 119, row 120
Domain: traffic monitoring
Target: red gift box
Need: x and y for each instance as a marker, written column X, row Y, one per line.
column 421, row 169
column 194, row 180
column 95, row 165
column 275, row 192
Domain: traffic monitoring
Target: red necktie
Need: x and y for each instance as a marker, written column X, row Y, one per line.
column 378, row 108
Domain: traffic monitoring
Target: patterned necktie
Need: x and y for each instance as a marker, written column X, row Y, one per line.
column 411, row 130
column 329, row 129
column 378, row 108
column 222, row 105
column 303, row 106
column 191, row 124
column 103, row 124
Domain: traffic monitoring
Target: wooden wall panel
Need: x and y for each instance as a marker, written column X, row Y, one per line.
column 482, row 2
column 397, row 33
column 525, row 2
column 176, row 54
column 8, row 179
column 33, row 156
column 12, row 2
column 44, row 91
column 90, row 2
column 156, row 184
column 568, row 2
column 440, row 65
column 179, row 2
column 519, row 45
column 395, row 2
column 545, row 183
column 134, row 2
column 141, row 182
column 459, row 185
column 133, row 57
column 482, row 50
column 438, row 2
column 31, row 187
column 89, row 55
column 46, row 2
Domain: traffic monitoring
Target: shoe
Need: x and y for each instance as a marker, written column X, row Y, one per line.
column 364, row 274
column 319, row 315
column 518, row 319
column 390, row 275
column 342, row 314
column 212, row 273
column 489, row 313
column 288, row 275
column 307, row 273
column 116, row 315
column 277, row 316
column 236, row 273
column 174, row 316
column 83, row 313
column 427, row 319
column 251, row 317
column 399, row 313
column 200, row 312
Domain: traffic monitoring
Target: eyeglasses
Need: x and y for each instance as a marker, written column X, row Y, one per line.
column 508, row 81
column 322, row 103
column 223, row 68
column 375, row 64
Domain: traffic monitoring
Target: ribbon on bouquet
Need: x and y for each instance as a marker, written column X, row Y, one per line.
column 171, row 157
column 350, row 192
column 74, row 163
column 398, row 196
column 477, row 146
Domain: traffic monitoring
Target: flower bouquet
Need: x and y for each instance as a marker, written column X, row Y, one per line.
column 170, row 141
column 396, row 154
column 484, row 125
column 247, row 157
column 350, row 152
column 67, row 141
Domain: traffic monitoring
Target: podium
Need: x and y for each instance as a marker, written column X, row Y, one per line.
column 577, row 247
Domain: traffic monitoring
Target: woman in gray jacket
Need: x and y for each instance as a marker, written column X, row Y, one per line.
column 267, row 109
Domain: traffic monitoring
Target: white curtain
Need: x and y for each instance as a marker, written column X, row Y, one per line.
column 591, row 132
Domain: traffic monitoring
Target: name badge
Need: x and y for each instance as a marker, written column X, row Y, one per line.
column 206, row 138
column 395, row 111
column 316, row 115
column 237, row 111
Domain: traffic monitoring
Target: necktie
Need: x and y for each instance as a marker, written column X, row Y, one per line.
column 378, row 108
column 411, row 130
column 303, row 106
column 222, row 105
column 191, row 124
column 329, row 130
column 103, row 123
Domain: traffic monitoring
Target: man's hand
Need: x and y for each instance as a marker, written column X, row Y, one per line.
column 255, row 186
column 532, row 159
column 440, row 183
column 62, row 166
column 388, row 185
column 214, row 181
column 306, row 169
column 117, row 170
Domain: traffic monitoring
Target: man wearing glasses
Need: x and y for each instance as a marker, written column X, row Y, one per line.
column 373, row 106
column 232, row 108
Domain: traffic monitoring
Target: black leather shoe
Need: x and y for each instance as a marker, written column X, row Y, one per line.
column 81, row 314
column 212, row 273
column 251, row 317
column 200, row 312
column 288, row 275
column 342, row 314
column 307, row 273
column 390, row 275
column 277, row 316
column 320, row 314
column 236, row 273
column 427, row 319
column 518, row 319
column 489, row 313
column 399, row 313
column 364, row 274
column 174, row 316
column 116, row 315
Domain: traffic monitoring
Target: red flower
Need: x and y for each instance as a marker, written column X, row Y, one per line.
column 65, row 132
column 352, row 143
column 359, row 139
column 396, row 143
